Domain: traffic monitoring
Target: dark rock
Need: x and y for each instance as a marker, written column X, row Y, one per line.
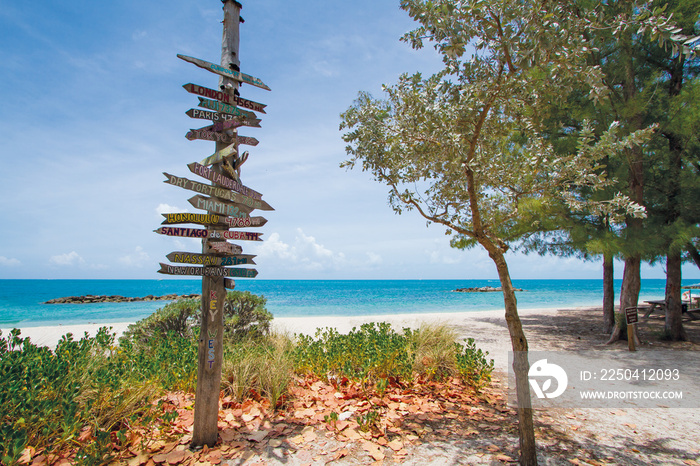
column 483, row 289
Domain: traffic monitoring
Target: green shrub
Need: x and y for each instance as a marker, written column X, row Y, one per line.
column 245, row 317
column 473, row 367
column 373, row 352
column 176, row 317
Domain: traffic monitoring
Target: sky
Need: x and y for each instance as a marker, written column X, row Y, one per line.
column 93, row 111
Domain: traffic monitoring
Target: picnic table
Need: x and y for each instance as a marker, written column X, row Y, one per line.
column 660, row 304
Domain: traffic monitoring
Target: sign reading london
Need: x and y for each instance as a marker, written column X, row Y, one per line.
column 230, row 99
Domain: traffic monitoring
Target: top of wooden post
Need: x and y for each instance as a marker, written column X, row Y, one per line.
column 234, row 2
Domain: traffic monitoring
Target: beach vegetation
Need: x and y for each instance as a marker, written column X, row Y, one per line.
column 376, row 355
column 245, row 317
column 258, row 367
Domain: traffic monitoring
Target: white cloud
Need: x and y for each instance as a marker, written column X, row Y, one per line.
column 138, row 258
column 9, row 261
column 168, row 209
column 304, row 252
column 71, row 258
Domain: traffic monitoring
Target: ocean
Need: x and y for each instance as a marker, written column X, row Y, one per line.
column 21, row 300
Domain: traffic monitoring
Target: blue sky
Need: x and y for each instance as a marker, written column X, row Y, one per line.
column 93, row 112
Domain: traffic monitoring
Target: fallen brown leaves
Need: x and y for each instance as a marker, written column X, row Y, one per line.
column 320, row 423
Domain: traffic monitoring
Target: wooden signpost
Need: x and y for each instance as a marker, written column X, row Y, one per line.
column 206, row 259
column 222, row 169
column 216, row 191
column 207, row 272
column 225, row 108
column 222, row 180
column 632, row 317
column 230, row 99
column 225, row 72
column 219, row 207
column 200, row 219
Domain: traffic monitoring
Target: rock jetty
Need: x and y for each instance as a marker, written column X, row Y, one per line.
column 90, row 299
column 482, row 289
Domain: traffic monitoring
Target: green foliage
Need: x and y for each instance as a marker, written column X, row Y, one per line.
column 245, row 316
column 375, row 353
column 175, row 317
column 473, row 365
column 49, row 397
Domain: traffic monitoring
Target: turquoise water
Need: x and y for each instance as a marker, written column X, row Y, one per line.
column 21, row 300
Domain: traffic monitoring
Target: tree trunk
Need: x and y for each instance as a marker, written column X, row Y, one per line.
column 629, row 295
column 674, row 309
column 608, row 293
column 673, row 327
column 521, row 365
column 694, row 254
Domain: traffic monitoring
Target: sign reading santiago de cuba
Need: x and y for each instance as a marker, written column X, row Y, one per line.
column 213, row 234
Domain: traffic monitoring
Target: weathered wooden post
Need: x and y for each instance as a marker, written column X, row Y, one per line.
column 211, row 334
column 228, row 206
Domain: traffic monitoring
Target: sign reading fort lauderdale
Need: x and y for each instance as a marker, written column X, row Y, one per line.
column 216, row 191
column 207, row 271
column 223, row 97
column 225, row 181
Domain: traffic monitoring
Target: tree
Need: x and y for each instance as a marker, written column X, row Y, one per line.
column 466, row 146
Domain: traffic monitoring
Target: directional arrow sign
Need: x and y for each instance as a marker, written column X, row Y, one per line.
column 224, row 247
column 213, row 234
column 218, row 178
column 201, row 219
column 208, row 135
column 228, row 73
column 232, row 121
column 224, row 97
column 207, row 271
column 225, row 108
column 220, row 207
column 216, row 191
column 247, row 141
column 205, row 259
